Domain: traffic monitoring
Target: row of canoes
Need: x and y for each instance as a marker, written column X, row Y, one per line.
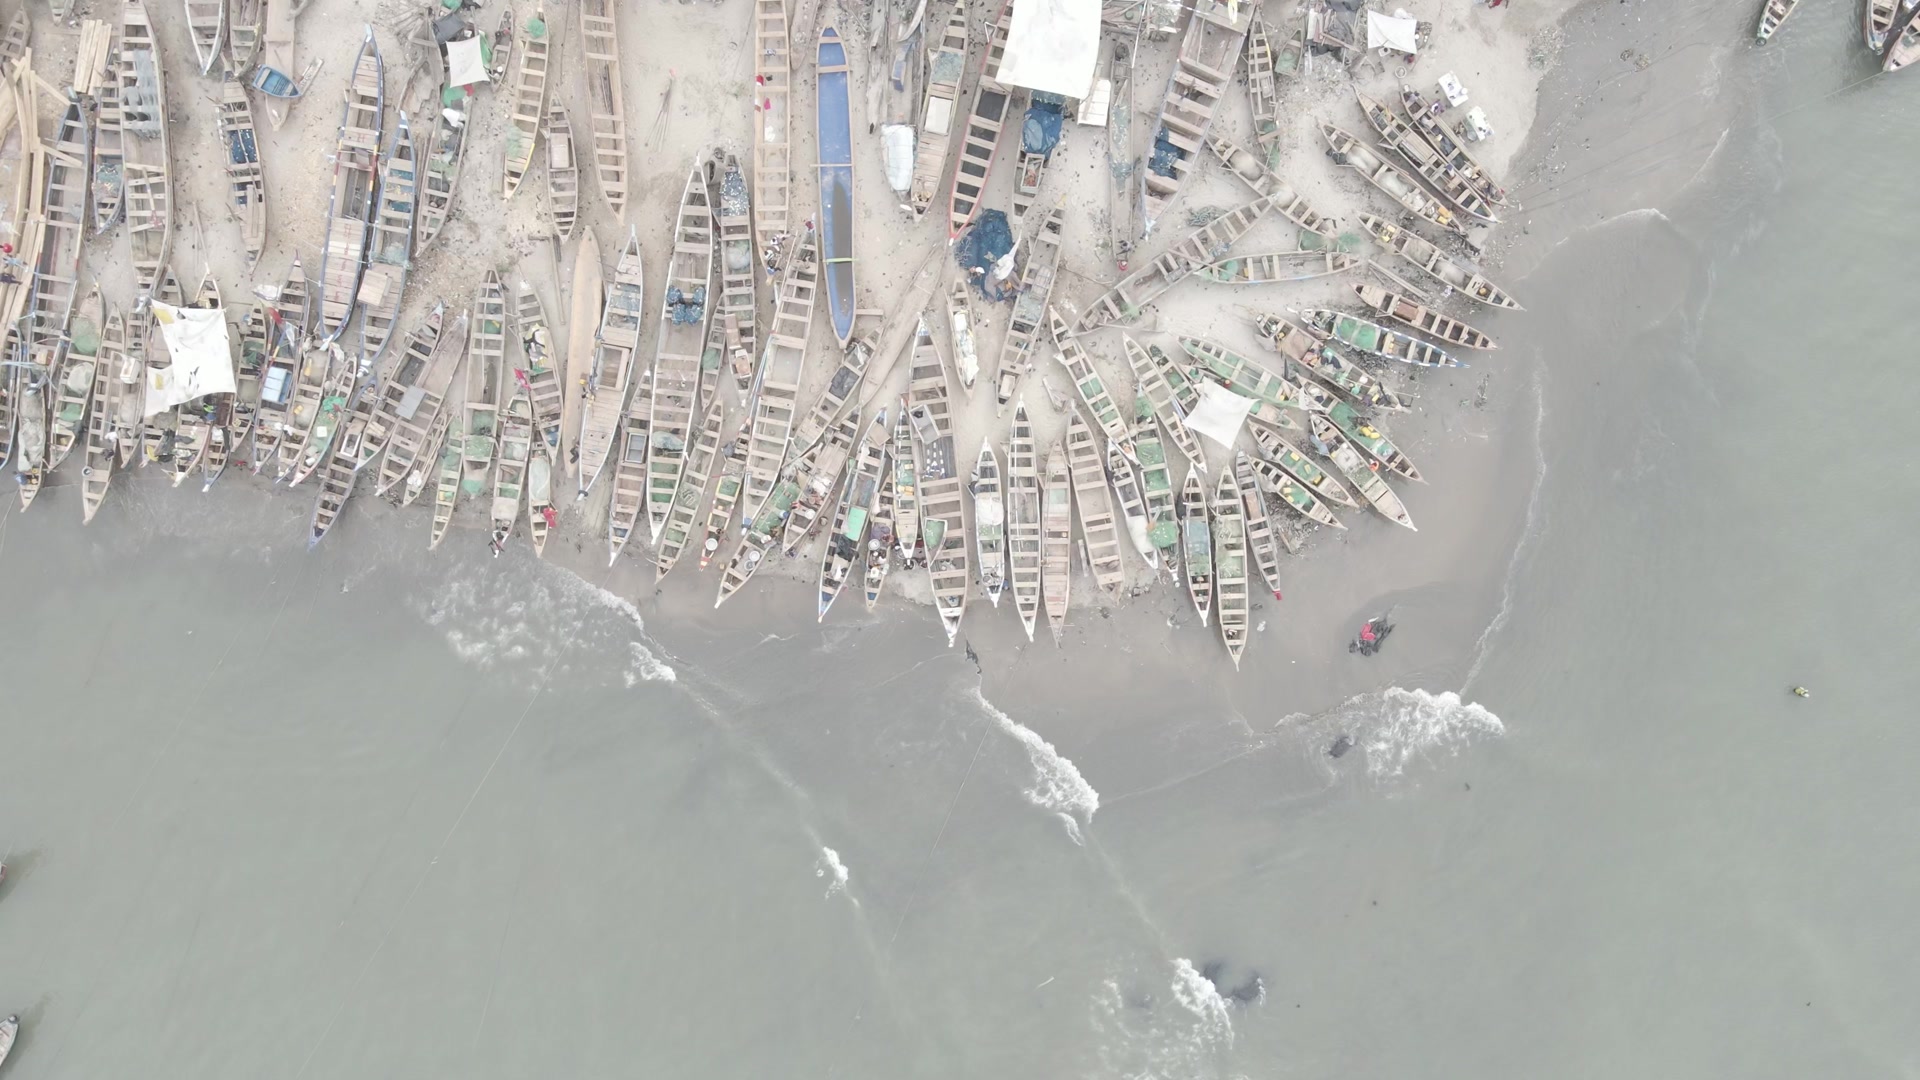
column 1890, row 29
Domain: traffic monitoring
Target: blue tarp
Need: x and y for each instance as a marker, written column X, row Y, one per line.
column 989, row 239
column 686, row 309
column 1041, row 131
column 1164, row 155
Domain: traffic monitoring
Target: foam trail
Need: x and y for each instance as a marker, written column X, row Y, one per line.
column 830, row 866
column 1057, row 784
column 1529, row 531
column 1201, row 998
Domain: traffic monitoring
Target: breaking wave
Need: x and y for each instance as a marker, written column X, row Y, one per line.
column 1397, row 727
column 829, row 866
column 1183, row 1030
column 1057, row 785
column 526, row 624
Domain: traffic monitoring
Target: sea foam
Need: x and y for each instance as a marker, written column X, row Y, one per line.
column 829, row 866
column 1153, row 1029
column 528, row 622
column 1397, row 727
column 1057, row 785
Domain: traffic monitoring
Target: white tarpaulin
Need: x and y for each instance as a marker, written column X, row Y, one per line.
column 202, row 357
column 1220, row 414
column 1395, row 32
column 465, row 63
column 1053, row 46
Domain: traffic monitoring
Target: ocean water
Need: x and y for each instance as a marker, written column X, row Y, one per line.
column 363, row 812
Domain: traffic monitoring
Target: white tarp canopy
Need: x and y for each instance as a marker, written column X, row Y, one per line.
column 465, row 63
column 202, row 357
column 1220, row 414
column 1053, row 46
column 1394, row 31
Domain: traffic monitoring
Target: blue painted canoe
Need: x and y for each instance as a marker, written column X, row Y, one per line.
column 835, row 141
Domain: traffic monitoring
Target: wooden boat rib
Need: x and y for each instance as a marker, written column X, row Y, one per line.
column 1152, row 388
column 1348, row 150
column 1133, row 507
column 148, row 195
column 1230, row 583
column 1372, row 338
column 1156, row 486
column 1263, row 91
column 854, row 513
column 1436, row 264
column 943, row 526
column 408, row 404
column 245, row 23
column 1288, row 458
column 1400, row 137
column 772, row 131
column 72, row 383
column 383, row 285
column 1126, row 300
column 356, row 158
column 1772, row 14
column 1087, row 382
column 775, row 398
column 1424, row 319
column 583, row 323
column 539, row 372
column 1185, row 395
column 207, row 29
column 1254, row 172
column 675, row 382
column 1030, row 307
column 246, row 183
column 1260, row 533
column 1365, row 477
column 612, row 363
column 835, row 154
column 1294, row 343
column 906, row 489
column 990, row 523
column 1196, row 546
column 101, row 422
column 510, row 471
column 14, row 42
column 446, row 149
column 1453, row 151
column 1023, row 518
column 1277, row 267
column 529, row 99
column 563, row 173
column 1056, row 542
column 726, row 496
column 880, row 535
column 1121, row 164
column 986, row 122
column 945, row 70
column 737, row 315
column 1209, row 53
column 692, row 494
column 607, row 115
column 109, row 153
column 1093, row 503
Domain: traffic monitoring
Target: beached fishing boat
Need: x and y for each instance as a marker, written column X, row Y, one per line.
column 1257, row 175
column 16, row 38
column 1291, row 461
column 963, row 327
column 1087, row 382
column 1278, row 267
column 502, row 55
column 102, row 422
column 737, row 316
column 1230, row 583
column 692, row 494
column 1153, row 391
column 1454, row 275
column 246, row 20
column 775, row 397
column 1772, row 14
column 1261, row 545
column 674, row 383
column 329, row 412
column 880, row 535
column 1056, row 540
column 1023, row 518
column 1903, row 47
column 1295, row 494
column 246, row 184
column 1093, row 503
column 72, row 388
column 510, row 471
column 1293, row 342
column 279, row 53
column 249, row 378
column 1185, row 394
column 1209, row 53
column 431, row 462
column 606, row 111
column 853, row 513
column 1424, row 319
column 445, row 479
column 9, row 379
column 356, row 156
column 1876, row 23
column 1040, row 135
column 847, row 378
column 1263, row 90
column 772, row 131
column 583, row 325
column 563, row 173
column 816, row 478
column 1196, row 545
column 200, row 434
column 1372, row 442
column 282, row 334
column 1122, row 190
column 1133, row 508
column 726, row 496
column 446, row 149
column 1452, row 149
column 1126, row 300
column 1400, row 137
column 148, row 193
column 607, row 378
column 906, row 490
column 757, row 535
column 981, row 137
column 1248, row 379
column 539, row 370
column 390, row 245
column 989, row 523
column 631, row 445
column 943, row 526
column 30, row 438
column 342, row 467
column 945, row 70
column 835, row 154
column 1029, row 317
column 1156, row 485
column 58, row 236
column 207, row 30
column 529, row 106
column 409, row 399
column 109, row 152
column 1362, row 474
column 1346, row 149
column 541, row 514
column 1377, row 340
column 477, row 430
